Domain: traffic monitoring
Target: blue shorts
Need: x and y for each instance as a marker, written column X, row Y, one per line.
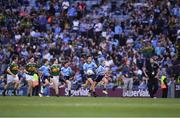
column 63, row 79
column 99, row 78
column 93, row 77
column 43, row 78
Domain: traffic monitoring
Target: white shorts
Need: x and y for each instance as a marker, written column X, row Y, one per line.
column 10, row 78
column 55, row 79
column 29, row 77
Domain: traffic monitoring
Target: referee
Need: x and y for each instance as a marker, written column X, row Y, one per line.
column 152, row 70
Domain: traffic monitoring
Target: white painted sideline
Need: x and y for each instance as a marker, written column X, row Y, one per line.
column 88, row 117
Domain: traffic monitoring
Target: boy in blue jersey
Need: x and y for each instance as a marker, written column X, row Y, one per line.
column 89, row 70
column 66, row 73
column 100, row 72
column 44, row 70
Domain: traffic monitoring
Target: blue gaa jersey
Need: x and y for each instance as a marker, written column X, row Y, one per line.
column 45, row 70
column 101, row 70
column 66, row 71
column 89, row 66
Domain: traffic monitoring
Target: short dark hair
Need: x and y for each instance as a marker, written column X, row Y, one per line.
column 14, row 57
column 53, row 60
column 89, row 56
column 31, row 57
column 45, row 60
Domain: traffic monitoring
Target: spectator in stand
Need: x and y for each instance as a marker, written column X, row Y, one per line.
column 128, row 77
column 65, row 6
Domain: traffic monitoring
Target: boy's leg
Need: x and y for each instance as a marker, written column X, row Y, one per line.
column 149, row 85
column 105, row 86
column 16, row 86
column 5, row 89
column 69, row 86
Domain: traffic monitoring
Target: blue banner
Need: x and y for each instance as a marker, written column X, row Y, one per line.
column 21, row 92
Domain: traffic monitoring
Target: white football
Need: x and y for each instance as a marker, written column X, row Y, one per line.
column 139, row 72
column 90, row 72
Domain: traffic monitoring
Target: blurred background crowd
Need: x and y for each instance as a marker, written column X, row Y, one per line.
column 114, row 31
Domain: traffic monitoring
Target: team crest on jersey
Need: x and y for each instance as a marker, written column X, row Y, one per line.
column 55, row 69
column 15, row 68
column 31, row 69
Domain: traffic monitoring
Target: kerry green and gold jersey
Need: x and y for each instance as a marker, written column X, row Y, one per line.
column 31, row 68
column 13, row 67
column 55, row 70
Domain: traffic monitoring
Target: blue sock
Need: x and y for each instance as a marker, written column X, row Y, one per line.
column 47, row 91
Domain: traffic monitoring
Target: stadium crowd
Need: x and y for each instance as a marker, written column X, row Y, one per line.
column 122, row 34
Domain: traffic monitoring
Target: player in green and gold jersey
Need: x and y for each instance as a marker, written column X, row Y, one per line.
column 55, row 72
column 12, row 75
column 31, row 69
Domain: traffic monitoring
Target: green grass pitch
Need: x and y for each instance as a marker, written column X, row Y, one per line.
column 88, row 107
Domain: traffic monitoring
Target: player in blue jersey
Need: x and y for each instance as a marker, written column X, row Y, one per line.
column 100, row 73
column 45, row 85
column 89, row 70
column 66, row 73
column 45, row 70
